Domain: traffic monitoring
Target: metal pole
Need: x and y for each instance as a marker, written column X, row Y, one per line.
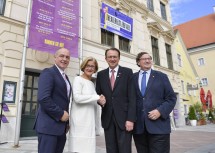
column 21, row 80
column 81, row 35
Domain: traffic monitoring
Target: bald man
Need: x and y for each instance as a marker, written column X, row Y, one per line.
column 54, row 91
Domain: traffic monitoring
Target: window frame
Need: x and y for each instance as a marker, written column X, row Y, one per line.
column 124, row 44
column 169, row 56
column 163, row 11
column 107, row 35
column 179, row 60
column 2, row 7
column 155, row 50
column 201, row 61
column 150, row 5
column 204, row 81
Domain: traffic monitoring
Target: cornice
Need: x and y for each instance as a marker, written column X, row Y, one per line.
column 160, row 20
column 11, row 21
column 156, row 26
column 169, row 34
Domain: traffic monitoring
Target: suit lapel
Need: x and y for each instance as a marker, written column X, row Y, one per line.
column 107, row 77
column 136, row 78
column 118, row 77
column 62, row 79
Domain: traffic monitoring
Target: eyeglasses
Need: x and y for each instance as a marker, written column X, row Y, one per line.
column 144, row 59
column 90, row 66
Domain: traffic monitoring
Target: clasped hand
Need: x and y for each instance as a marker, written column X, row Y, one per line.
column 102, row 100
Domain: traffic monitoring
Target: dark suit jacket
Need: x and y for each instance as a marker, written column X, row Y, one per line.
column 120, row 101
column 158, row 95
column 53, row 100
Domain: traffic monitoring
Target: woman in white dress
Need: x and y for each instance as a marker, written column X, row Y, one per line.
column 82, row 137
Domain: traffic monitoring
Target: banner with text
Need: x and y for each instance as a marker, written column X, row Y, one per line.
column 54, row 24
column 116, row 22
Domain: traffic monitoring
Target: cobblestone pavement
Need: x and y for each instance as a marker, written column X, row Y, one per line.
column 199, row 139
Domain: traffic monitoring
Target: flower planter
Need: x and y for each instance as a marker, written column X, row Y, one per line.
column 193, row 122
column 201, row 122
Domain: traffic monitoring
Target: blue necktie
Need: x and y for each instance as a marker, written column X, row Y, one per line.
column 143, row 83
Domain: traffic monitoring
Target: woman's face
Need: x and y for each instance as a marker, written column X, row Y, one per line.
column 90, row 68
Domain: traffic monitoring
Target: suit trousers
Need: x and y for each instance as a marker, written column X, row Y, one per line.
column 152, row 143
column 51, row 143
column 116, row 139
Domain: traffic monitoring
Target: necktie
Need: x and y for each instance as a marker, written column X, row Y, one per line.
column 67, row 84
column 143, row 83
column 112, row 79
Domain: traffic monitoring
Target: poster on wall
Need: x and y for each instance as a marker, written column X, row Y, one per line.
column 116, row 22
column 54, row 24
column 9, row 92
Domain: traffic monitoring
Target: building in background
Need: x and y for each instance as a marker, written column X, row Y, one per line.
column 150, row 31
column 189, row 83
column 199, row 38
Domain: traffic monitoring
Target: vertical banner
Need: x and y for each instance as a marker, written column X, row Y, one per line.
column 54, row 24
column 116, row 22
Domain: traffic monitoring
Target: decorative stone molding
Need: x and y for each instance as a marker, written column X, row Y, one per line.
column 155, row 26
column 41, row 56
column 155, row 17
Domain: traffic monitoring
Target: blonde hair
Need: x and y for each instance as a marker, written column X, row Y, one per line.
column 86, row 60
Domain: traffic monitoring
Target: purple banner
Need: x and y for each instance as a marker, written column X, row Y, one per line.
column 5, row 107
column 54, row 24
column 116, row 22
column 3, row 119
column 175, row 113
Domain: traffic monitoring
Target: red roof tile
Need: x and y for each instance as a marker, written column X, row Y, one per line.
column 198, row 32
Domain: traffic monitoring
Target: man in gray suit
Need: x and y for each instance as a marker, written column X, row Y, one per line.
column 119, row 111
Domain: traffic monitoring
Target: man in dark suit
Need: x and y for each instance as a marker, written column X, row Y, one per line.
column 119, row 111
column 155, row 101
column 54, row 90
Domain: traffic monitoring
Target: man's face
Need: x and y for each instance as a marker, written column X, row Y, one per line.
column 112, row 58
column 145, row 62
column 62, row 58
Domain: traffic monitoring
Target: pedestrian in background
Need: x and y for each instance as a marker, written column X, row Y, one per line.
column 155, row 101
column 119, row 111
column 83, row 110
column 54, row 90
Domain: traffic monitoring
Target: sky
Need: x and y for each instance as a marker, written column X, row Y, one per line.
column 187, row 10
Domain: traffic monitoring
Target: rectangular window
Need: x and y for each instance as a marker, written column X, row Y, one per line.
column 169, row 56
column 163, row 11
column 182, row 86
column 124, row 44
column 107, row 38
column 179, row 60
column 201, row 61
column 188, row 91
column 2, row 6
column 204, row 81
column 155, row 51
column 150, row 5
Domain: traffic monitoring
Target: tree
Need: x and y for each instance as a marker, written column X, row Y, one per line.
column 192, row 113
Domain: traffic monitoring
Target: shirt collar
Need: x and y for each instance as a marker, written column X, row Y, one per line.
column 116, row 69
column 60, row 70
column 148, row 71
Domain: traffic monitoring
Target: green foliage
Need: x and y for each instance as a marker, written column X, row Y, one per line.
column 202, row 116
column 210, row 115
column 198, row 107
column 192, row 113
